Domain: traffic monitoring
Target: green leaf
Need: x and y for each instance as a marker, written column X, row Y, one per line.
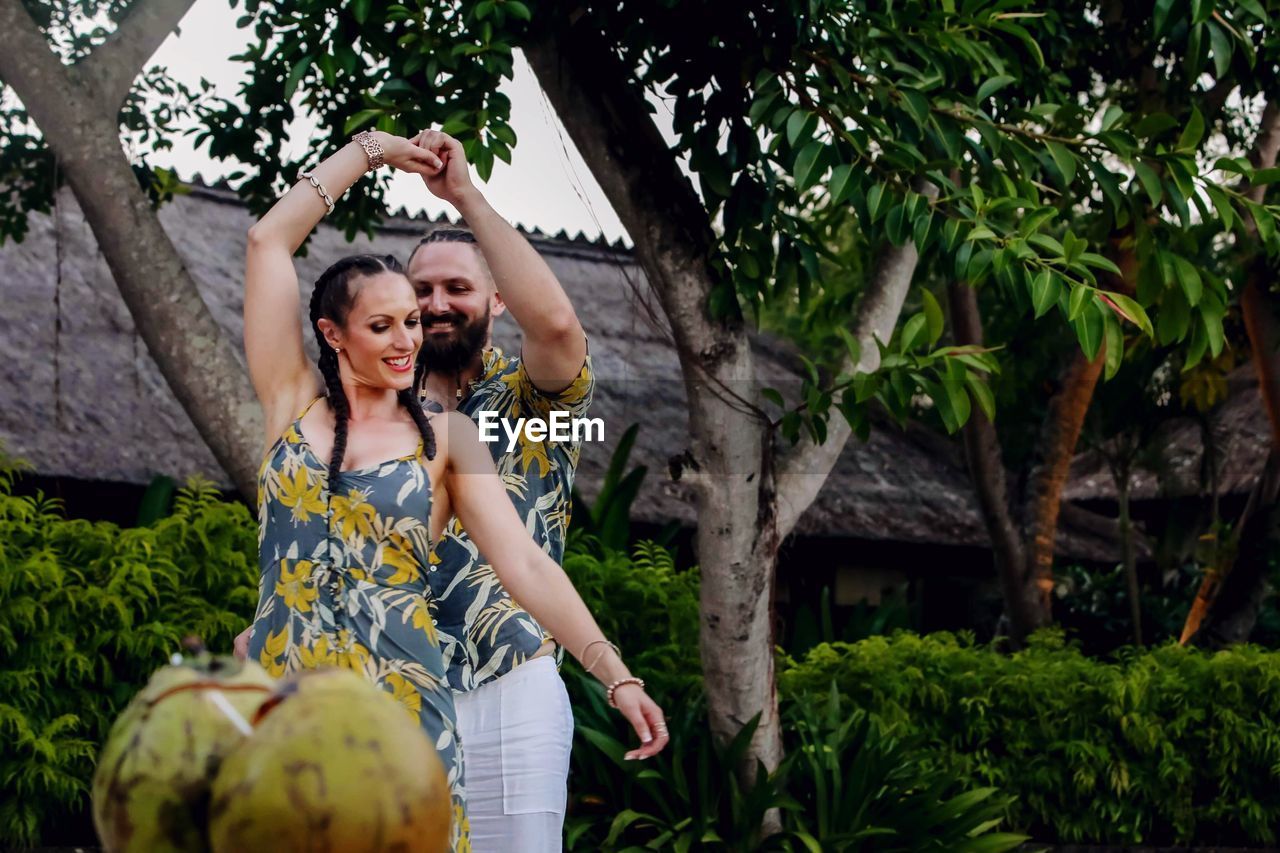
column 809, row 165
column 1153, row 125
column 1048, row 244
column 993, row 85
column 517, row 10
column 1188, row 278
column 1212, row 322
column 1265, row 176
column 1064, row 160
column 1174, row 318
column 295, row 76
column 1081, row 295
column 1160, row 17
column 1193, row 132
column 933, row 314
column 1089, row 328
column 1046, row 289
column 1222, row 204
column 1150, row 182
column 359, row 120
column 1101, row 262
column 980, row 391
column 772, row 395
column 360, row 10
column 800, row 127
column 1131, row 310
column 917, row 104
column 913, row 333
column 1263, row 220
column 851, row 345
column 875, row 202
column 842, row 183
column 897, row 225
column 1220, row 44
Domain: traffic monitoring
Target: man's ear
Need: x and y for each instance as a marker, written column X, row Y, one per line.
column 496, row 306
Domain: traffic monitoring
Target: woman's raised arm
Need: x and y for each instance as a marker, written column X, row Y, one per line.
column 272, row 334
column 479, row 500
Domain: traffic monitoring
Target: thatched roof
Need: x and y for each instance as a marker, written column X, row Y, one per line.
column 86, row 401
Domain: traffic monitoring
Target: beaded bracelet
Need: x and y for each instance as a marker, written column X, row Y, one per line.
column 639, row 682
column 324, row 194
column 372, row 148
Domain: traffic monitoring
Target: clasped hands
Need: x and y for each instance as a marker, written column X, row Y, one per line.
column 437, row 157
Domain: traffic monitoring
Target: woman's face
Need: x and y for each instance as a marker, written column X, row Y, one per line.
column 382, row 333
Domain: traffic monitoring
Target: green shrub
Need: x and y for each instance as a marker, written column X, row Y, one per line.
column 648, row 607
column 87, row 612
column 1167, row 745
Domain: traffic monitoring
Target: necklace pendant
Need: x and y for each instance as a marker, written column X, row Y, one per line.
column 458, row 394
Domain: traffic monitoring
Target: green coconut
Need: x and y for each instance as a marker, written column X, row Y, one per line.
column 334, row 764
column 151, row 787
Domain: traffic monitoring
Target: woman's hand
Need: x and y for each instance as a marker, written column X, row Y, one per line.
column 404, row 155
column 645, row 717
column 452, row 183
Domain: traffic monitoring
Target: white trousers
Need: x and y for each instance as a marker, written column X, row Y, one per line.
column 516, row 734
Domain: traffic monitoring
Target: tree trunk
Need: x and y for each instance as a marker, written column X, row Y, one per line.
column 1241, row 606
column 729, row 461
column 69, row 106
column 1122, row 477
column 1230, row 596
column 1063, row 423
column 986, row 469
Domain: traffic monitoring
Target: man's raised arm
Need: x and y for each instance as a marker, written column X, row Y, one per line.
column 555, row 346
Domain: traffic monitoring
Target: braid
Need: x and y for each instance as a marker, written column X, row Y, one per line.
column 337, row 398
column 410, row 402
column 331, row 298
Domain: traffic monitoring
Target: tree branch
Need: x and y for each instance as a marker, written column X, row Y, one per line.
column 804, row 468
column 190, row 348
column 118, row 61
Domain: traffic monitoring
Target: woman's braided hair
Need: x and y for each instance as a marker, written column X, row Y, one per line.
column 332, row 299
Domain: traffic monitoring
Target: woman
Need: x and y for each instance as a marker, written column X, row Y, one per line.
column 358, row 483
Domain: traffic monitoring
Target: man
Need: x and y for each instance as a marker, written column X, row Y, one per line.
column 513, row 711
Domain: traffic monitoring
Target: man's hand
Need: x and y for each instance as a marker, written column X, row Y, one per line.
column 452, row 182
column 241, row 644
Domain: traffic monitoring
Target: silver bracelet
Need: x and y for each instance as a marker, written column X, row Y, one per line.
column 304, row 175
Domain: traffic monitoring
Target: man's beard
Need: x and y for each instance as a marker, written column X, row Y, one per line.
column 451, row 354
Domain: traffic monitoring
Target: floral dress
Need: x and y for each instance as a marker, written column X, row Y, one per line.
column 343, row 584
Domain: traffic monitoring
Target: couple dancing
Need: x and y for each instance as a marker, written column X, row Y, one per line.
column 362, row 477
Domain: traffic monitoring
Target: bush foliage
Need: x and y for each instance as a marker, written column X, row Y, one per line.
column 87, row 612
column 1165, row 745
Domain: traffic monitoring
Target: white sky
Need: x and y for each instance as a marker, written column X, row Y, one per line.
column 546, row 186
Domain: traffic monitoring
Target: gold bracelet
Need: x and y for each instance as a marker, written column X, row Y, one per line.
column 616, row 651
column 639, row 682
column 304, row 175
column 372, row 149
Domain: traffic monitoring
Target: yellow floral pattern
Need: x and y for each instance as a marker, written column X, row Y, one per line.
column 483, row 631
column 343, row 584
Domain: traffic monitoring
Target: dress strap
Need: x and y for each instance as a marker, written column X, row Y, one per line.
column 307, row 408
